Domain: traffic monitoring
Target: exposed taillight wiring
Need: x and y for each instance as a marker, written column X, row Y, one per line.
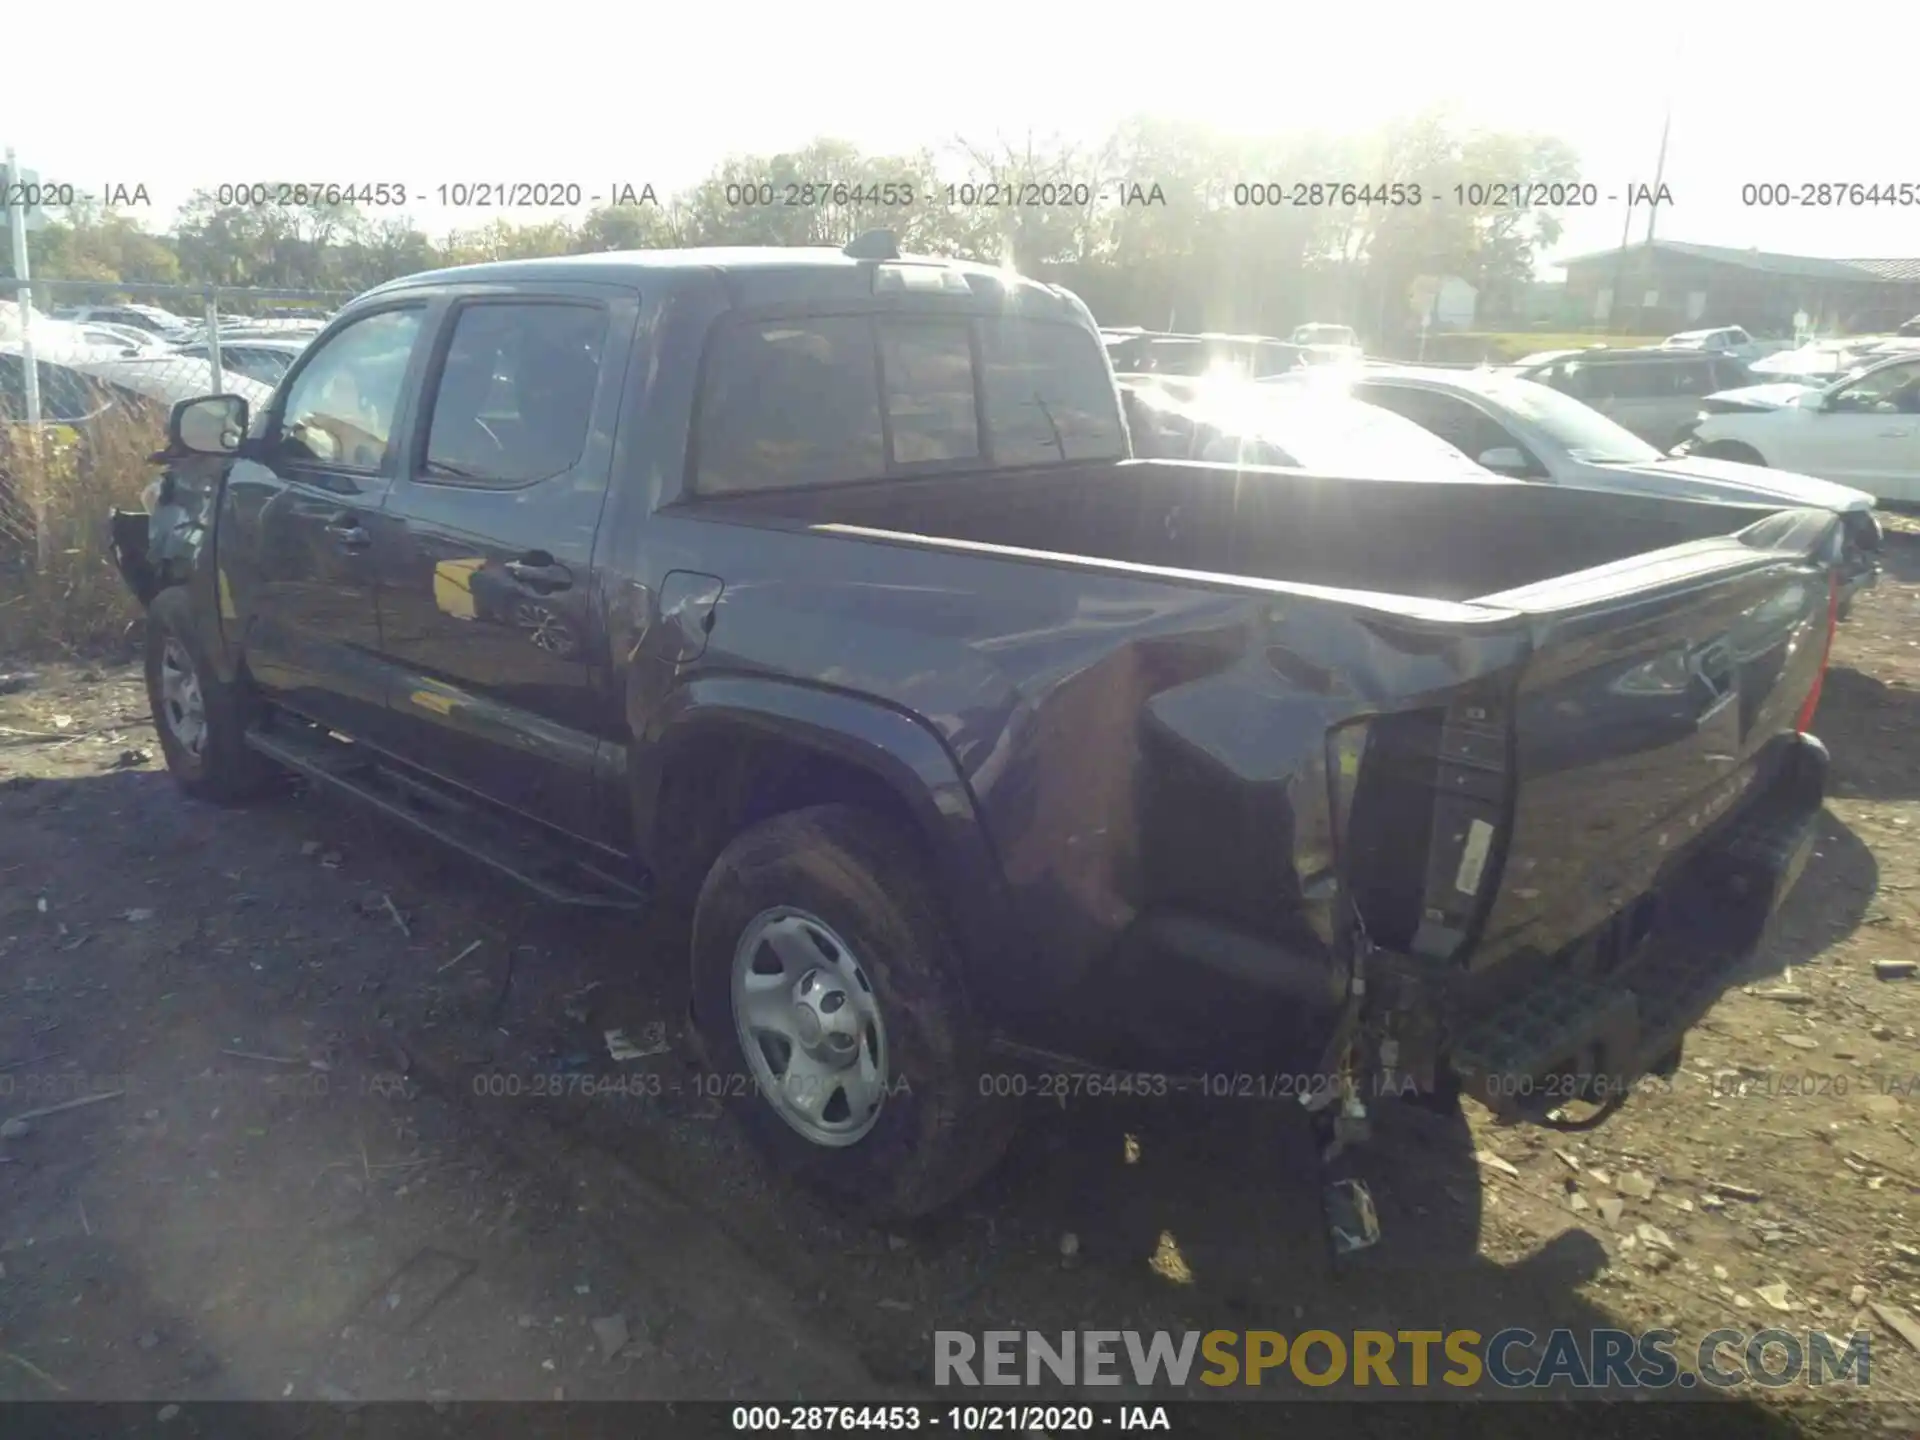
column 1805, row 723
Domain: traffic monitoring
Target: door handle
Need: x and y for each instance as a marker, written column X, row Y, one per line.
column 539, row 572
column 348, row 533
column 1895, row 434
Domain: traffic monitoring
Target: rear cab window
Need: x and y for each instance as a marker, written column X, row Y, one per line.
column 833, row 399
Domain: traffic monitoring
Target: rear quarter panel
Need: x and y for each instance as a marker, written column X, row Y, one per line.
column 1076, row 707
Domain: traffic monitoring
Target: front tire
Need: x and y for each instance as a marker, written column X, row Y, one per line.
column 200, row 718
column 827, row 989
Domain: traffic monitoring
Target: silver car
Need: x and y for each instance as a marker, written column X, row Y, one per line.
column 1653, row 392
column 1529, row 431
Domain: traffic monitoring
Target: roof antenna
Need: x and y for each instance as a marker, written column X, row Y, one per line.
column 874, row 245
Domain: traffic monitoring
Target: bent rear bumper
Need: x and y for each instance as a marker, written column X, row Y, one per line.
column 1591, row 1038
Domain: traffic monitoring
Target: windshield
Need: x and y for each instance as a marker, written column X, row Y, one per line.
column 1329, row 433
column 1580, row 430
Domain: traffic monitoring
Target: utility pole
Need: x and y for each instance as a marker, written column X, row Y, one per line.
column 1620, row 268
column 1659, row 169
column 29, row 369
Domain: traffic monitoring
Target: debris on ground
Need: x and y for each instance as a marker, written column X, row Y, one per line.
column 1777, row 1295
column 611, row 1332
column 1635, row 1186
column 1898, row 1321
column 619, row 1047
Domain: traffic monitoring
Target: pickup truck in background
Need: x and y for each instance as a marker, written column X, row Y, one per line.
column 817, row 591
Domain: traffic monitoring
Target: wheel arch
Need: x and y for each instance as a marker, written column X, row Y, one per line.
column 725, row 753
column 1743, row 452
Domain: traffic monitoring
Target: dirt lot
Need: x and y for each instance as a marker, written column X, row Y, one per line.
column 345, row 1151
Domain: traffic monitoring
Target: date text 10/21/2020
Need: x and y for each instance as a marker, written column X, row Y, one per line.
column 951, row 1419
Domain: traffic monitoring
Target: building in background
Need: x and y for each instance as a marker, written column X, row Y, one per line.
column 1670, row 285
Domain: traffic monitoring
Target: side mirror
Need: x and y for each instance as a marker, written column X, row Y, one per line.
column 1812, row 400
column 1505, row 460
column 212, row 425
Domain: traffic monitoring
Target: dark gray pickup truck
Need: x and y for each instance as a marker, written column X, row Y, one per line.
column 816, row 590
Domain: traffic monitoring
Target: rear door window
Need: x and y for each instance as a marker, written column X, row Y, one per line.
column 790, row 403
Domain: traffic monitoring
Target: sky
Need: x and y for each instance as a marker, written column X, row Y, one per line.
column 358, row 92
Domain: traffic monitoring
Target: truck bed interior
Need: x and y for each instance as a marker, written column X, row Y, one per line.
column 1441, row 540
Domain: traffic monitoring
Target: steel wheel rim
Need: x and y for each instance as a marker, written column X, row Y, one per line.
column 809, row 1023
column 183, row 709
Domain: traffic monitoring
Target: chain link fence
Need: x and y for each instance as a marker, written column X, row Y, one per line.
column 88, row 373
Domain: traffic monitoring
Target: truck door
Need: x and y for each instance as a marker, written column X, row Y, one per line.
column 488, row 606
column 296, row 572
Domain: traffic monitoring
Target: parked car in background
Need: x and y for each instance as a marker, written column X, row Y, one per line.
column 1653, row 391
column 1342, row 336
column 1529, row 431
column 1885, row 345
column 271, row 329
column 122, row 337
column 1293, row 425
column 1817, row 363
column 150, row 318
column 1542, row 358
column 265, row 360
column 1726, row 340
column 68, row 394
column 1197, row 356
column 81, row 395
column 1862, row 430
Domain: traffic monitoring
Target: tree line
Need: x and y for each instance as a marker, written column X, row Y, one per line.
column 1161, row 224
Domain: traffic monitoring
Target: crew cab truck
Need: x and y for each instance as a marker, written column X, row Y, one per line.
column 816, row 591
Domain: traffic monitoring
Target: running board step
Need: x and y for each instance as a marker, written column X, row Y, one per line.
column 548, row 868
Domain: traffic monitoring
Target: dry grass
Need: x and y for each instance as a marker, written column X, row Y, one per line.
column 77, row 604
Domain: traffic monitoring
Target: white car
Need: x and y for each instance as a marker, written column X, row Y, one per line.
column 168, row 378
column 1530, row 431
column 1329, row 344
column 163, row 323
column 1863, row 430
column 264, row 360
column 121, row 337
column 1726, row 340
column 1816, row 363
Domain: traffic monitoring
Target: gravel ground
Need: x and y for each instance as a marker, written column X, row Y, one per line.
column 354, row 1131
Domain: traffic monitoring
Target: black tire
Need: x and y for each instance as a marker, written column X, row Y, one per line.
column 936, row 1134
column 220, row 768
column 1732, row 450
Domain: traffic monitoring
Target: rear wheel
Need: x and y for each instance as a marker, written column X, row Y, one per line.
column 201, row 719
column 827, row 990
